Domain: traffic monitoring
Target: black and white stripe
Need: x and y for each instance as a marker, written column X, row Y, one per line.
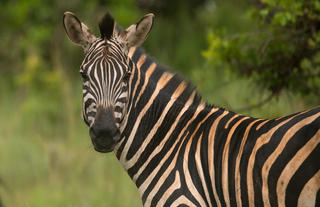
column 181, row 151
column 104, row 80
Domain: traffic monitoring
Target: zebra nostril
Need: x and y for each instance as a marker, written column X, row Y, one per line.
column 102, row 132
column 102, row 129
column 93, row 132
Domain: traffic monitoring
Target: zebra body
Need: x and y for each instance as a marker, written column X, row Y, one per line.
column 179, row 150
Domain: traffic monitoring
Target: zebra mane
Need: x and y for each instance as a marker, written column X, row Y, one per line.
column 106, row 26
column 190, row 88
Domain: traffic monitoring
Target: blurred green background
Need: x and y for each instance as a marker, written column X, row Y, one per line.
column 46, row 157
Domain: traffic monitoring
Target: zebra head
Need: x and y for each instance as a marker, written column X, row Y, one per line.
column 105, row 71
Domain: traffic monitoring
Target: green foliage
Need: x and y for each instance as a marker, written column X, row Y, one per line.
column 281, row 53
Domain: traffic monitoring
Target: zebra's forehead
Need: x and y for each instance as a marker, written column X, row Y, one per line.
column 106, row 49
column 104, row 43
column 105, row 54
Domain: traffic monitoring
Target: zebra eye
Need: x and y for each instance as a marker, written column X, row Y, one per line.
column 84, row 75
column 126, row 76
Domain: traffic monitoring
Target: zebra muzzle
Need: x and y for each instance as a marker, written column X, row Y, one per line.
column 104, row 133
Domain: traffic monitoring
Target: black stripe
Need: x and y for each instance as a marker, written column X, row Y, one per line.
column 204, row 153
column 305, row 172
column 262, row 155
column 154, row 163
column 318, row 198
column 219, row 142
column 234, row 146
column 162, row 130
column 140, row 105
column 152, row 115
column 168, row 182
column 293, row 146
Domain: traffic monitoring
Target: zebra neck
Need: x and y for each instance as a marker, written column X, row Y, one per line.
column 159, row 102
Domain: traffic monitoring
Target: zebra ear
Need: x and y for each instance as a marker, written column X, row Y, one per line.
column 134, row 35
column 77, row 32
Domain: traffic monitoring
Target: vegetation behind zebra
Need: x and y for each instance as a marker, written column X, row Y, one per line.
column 45, row 155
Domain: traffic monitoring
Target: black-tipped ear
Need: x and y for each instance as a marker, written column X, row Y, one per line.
column 106, row 26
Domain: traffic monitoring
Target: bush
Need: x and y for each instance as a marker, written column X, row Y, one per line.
column 282, row 52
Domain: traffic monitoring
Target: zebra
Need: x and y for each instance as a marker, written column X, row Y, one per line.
column 178, row 149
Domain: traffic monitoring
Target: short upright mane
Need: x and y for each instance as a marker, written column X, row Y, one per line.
column 106, row 26
column 139, row 51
